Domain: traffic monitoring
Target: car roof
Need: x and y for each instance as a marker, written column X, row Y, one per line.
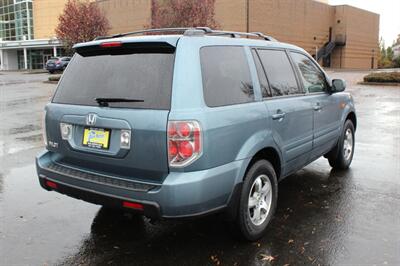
column 205, row 39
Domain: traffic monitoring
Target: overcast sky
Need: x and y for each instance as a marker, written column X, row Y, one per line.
column 389, row 11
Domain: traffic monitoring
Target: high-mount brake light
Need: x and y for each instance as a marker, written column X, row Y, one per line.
column 110, row 44
column 184, row 142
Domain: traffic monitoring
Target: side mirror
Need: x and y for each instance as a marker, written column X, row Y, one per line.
column 338, row 85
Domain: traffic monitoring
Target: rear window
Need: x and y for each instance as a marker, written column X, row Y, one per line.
column 136, row 76
column 226, row 76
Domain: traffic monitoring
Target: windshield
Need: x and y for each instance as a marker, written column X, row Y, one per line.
column 144, row 76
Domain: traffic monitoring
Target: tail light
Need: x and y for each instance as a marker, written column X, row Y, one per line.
column 58, row 62
column 184, row 142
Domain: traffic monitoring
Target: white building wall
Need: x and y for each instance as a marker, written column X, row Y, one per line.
column 10, row 60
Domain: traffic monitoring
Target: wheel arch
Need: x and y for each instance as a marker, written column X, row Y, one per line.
column 270, row 154
column 352, row 117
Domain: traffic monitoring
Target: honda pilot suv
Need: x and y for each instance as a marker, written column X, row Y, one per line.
column 192, row 123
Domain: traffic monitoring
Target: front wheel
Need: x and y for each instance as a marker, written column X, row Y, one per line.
column 258, row 200
column 341, row 155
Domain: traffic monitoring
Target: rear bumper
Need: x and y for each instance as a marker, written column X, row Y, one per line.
column 55, row 67
column 180, row 195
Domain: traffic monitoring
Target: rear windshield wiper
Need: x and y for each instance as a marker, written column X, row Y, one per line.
column 105, row 101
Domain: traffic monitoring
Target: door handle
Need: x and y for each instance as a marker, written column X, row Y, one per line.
column 278, row 116
column 317, row 107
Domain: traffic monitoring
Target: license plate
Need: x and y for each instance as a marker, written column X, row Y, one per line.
column 97, row 138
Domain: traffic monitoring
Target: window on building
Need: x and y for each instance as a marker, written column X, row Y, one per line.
column 226, row 76
column 313, row 78
column 16, row 20
column 281, row 77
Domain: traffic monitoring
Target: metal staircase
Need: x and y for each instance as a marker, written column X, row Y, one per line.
column 326, row 50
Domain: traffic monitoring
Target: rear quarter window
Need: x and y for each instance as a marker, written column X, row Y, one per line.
column 226, row 76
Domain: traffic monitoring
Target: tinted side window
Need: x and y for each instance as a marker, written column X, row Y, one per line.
column 226, row 76
column 313, row 78
column 261, row 76
column 280, row 73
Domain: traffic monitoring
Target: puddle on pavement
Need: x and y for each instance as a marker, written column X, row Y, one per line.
column 24, row 129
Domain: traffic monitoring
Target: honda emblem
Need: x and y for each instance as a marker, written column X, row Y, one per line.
column 91, row 119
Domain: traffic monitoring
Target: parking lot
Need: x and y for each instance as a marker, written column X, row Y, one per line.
column 323, row 217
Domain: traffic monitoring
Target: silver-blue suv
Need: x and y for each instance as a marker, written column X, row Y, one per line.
column 192, row 123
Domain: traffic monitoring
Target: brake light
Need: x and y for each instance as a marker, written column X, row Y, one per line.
column 110, row 44
column 184, row 142
column 58, row 62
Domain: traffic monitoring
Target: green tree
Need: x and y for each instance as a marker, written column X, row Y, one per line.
column 382, row 61
column 396, row 62
column 389, row 53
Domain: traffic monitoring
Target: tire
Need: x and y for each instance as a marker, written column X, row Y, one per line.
column 51, row 72
column 249, row 226
column 341, row 156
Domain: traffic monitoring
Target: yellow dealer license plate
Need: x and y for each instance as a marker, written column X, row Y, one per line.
column 96, row 138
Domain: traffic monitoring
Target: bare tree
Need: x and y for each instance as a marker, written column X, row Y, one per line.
column 80, row 21
column 183, row 13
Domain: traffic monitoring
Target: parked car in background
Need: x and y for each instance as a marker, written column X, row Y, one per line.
column 57, row 64
column 174, row 126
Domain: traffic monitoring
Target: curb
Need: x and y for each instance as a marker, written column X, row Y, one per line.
column 379, row 83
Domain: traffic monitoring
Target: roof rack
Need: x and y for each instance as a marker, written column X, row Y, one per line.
column 236, row 34
column 195, row 31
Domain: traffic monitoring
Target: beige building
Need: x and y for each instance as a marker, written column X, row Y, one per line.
column 352, row 33
column 340, row 36
column 45, row 17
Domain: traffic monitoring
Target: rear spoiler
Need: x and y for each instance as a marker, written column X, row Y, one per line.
column 118, row 48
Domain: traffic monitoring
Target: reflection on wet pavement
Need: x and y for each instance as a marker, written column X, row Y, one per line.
column 323, row 217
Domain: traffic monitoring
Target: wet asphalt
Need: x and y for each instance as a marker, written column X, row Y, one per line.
column 324, row 217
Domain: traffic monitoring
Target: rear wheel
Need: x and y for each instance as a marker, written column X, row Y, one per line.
column 257, row 200
column 341, row 156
